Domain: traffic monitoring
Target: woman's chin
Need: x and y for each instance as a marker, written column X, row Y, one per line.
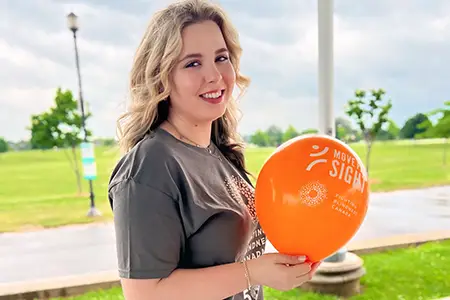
column 214, row 114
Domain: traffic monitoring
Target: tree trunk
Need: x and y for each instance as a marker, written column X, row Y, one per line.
column 369, row 148
column 76, row 170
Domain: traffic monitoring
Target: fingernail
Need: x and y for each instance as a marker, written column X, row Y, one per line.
column 302, row 258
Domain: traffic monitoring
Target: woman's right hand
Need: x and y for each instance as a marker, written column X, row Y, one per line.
column 279, row 271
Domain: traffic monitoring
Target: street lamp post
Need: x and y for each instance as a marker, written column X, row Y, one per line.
column 73, row 26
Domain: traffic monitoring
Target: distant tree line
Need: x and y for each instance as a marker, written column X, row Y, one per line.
column 366, row 119
column 58, row 127
column 4, row 146
column 416, row 127
column 369, row 111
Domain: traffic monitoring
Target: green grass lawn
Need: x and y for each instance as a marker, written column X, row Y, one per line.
column 406, row 274
column 38, row 188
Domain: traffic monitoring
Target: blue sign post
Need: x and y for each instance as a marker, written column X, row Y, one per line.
column 88, row 161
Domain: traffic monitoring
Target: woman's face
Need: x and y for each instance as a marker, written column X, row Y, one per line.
column 203, row 78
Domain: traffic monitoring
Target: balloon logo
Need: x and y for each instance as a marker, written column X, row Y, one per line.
column 311, row 196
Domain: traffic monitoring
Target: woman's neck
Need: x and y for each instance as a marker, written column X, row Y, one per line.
column 189, row 132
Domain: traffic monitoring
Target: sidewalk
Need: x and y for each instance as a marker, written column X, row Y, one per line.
column 86, row 249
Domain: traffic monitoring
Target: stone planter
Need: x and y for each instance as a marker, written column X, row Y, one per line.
column 338, row 278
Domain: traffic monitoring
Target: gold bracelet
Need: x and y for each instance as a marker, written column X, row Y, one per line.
column 247, row 275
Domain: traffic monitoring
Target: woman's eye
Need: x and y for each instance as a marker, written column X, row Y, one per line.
column 192, row 64
column 222, row 58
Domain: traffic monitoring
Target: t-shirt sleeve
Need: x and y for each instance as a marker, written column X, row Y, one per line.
column 148, row 228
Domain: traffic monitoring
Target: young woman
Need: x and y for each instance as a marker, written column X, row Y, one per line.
column 183, row 204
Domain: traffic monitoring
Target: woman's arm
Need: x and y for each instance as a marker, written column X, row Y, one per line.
column 218, row 282
column 282, row 272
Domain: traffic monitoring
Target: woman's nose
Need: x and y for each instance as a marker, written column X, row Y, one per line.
column 212, row 74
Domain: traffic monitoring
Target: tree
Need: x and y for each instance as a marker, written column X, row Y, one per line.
column 309, row 131
column 411, row 128
column 275, row 135
column 344, row 130
column 260, row 138
column 370, row 114
column 441, row 129
column 290, row 133
column 60, row 127
column 393, row 130
column 3, row 145
column 383, row 135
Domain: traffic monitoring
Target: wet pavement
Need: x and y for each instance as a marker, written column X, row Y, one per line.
column 76, row 250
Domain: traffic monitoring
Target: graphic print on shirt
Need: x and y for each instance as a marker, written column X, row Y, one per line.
column 240, row 189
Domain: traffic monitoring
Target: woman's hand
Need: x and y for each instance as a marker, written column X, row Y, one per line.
column 281, row 272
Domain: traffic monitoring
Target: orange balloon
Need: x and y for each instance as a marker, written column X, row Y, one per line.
column 311, row 196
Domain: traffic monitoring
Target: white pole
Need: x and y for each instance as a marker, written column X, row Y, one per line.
column 326, row 72
column 326, row 68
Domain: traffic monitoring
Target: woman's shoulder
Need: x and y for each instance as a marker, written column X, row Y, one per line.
column 150, row 162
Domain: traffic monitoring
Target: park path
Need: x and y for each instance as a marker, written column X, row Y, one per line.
column 77, row 250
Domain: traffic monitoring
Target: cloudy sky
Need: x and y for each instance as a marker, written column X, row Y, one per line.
column 402, row 46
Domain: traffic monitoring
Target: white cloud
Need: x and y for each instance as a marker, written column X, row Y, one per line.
column 400, row 45
column 262, row 108
column 19, row 99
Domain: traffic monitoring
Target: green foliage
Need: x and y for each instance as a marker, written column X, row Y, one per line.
column 442, row 127
column 345, row 130
column 309, row 131
column 390, row 133
column 274, row 136
column 290, row 133
column 413, row 128
column 107, row 142
column 61, row 126
column 440, row 130
column 3, row 145
column 393, row 130
column 260, row 138
column 370, row 114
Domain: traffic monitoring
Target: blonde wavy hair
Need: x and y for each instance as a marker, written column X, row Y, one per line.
column 153, row 63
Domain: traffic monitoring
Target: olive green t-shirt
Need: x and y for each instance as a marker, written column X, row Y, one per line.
column 180, row 206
